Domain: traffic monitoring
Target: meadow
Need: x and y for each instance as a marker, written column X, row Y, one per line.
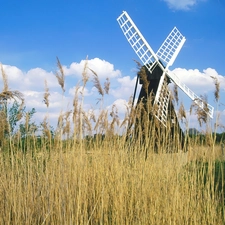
column 84, row 172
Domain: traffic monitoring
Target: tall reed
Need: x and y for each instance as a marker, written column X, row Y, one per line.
column 95, row 175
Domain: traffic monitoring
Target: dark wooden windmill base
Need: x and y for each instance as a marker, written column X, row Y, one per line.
column 152, row 134
column 148, row 130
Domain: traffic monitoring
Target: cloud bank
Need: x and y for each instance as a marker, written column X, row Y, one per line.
column 101, row 67
column 200, row 82
column 31, row 84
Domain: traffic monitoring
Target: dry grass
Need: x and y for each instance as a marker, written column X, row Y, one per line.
column 46, row 94
column 106, row 179
column 60, row 75
column 107, row 186
column 217, row 88
column 6, row 94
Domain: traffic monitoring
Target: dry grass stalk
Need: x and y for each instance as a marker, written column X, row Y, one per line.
column 46, row 94
column 107, row 187
column 92, row 116
column 57, row 188
column 144, row 78
column 217, row 88
column 107, row 85
column 97, row 83
column 4, row 125
column 181, row 112
column 102, row 122
column 6, row 94
column 60, row 122
column 66, row 124
column 115, row 119
column 139, row 66
column 20, row 110
column 27, row 120
column 85, row 76
column 125, row 123
column 45, row 128
column 76, row 104
column 5, row 79
column 175, row 93
column 202, row 116
column 87, row 123
column 201, row 113
column 60, row 75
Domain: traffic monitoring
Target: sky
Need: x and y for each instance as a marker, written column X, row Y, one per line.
column 33, row 33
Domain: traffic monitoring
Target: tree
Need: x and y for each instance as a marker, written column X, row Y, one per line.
column 28, row 128
column 5, row 97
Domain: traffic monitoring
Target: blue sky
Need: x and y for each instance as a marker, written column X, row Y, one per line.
column 34, row 32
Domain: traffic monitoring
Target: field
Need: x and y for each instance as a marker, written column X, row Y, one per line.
column 70, row 178
column 109, row 186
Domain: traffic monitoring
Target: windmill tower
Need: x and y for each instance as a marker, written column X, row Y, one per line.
column 156, row 66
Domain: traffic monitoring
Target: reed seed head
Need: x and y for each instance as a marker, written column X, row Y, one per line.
column 97, row 83
column 175, row 93
column 60, row 75
column 46, row 94
column 5, row 79
column 217, row 88
column 107, row 86
column 85, row 76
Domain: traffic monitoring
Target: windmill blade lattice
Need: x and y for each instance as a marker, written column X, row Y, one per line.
column 137, row 41
column 163, row 58
column 206, row 107
column 162, row 99
column 170, row 48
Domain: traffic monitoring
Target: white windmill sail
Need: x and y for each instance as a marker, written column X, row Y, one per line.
column 161, row 94
column 163, row 98
column 137, row 41
column 164, row 57
column 170, row 48
column 209, row 109
column 167, row 54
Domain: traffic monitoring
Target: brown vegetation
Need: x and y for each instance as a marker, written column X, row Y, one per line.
column 88, row 174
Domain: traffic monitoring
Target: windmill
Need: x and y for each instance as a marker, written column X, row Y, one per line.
column 157, row 66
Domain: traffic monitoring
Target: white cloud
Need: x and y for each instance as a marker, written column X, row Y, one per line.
column 33, row 79
column 125, row 88
column 200, row 82
column 182, row 4
column 121, row 105
column 103, row 68
column 34, row 99
column 80, row 90
column 37, row 76
column 31, row 84
column 13, row 73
